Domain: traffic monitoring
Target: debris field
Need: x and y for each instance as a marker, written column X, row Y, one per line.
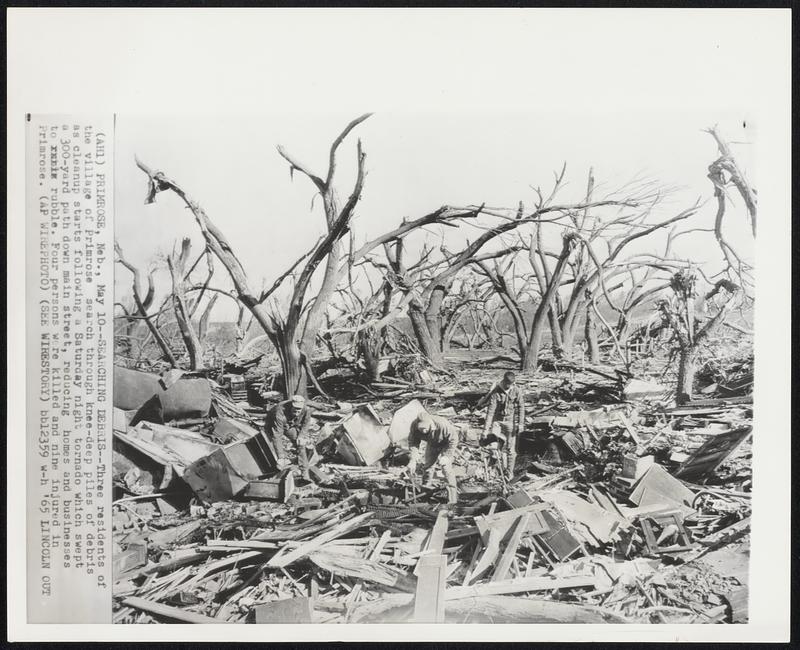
column 622, row 507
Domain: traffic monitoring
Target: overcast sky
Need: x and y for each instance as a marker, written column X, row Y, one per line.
column 416, row 162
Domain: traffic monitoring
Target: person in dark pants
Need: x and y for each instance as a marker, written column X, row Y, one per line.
column 505, row 417
column 286, row 426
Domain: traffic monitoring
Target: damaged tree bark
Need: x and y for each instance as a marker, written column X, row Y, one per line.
column 590, row 334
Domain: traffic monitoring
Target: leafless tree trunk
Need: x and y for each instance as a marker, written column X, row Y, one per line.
column 726, row 163
column 143, row 304
column 177, row 263
column 689, row 332
column 370, row 344
column 530, row 356
column 202, row 325
column 590, row 334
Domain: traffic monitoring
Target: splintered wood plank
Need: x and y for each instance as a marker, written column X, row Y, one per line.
column 472, row 563
column 382, row 542
column 489, row 555
column 436, row 540
column 519, row 585
column 510, row 552
column 528, row 566
column 429, row 598
column 167, row 611
column 342, row 528
column 505, row 520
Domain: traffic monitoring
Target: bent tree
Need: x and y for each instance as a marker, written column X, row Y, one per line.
column 291, row 332
column 143, row 302
column 293, row 327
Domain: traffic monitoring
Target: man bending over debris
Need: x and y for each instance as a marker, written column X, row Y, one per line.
column 286, row 425
column 505, row 417
column 441, row 438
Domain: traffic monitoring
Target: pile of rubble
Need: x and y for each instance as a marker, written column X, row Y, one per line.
column 622, row 509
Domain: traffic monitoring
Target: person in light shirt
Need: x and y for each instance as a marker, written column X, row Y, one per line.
column 441, row 438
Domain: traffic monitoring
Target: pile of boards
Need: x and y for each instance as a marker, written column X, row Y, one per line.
column 208, row 531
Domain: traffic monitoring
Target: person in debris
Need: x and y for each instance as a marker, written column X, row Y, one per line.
column 505, row 417
column 441, row 438
column 287, row 427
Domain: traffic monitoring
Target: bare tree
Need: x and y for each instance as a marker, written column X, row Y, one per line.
column 530, row 331
column 578, row 266
column 467, row 303
column 597, row 260
column 290, row 332
column 293, row 330
column 693, row 321
column 725, row 173
column 143, row 304
column 426, row 295
column 185, row 306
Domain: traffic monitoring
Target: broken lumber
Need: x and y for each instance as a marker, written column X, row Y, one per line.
column 340, row 529
column 167, row 611
column 519, row 585
column 510, row 552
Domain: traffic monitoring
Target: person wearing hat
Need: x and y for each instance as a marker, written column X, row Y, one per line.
column 441, row 438
column 286, row 425
column 505, row 417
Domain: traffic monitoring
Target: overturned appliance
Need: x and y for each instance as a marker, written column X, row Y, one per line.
column 161, row 399
column 215, row 472
column 362, row 438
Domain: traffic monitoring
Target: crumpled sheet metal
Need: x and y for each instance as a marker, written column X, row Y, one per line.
column 185, row 398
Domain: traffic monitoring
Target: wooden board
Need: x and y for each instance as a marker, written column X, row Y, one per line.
column 519, row 585
column 167, row 611
column 600, row 523
column 437, row 537
column 429, row 598
column 510, row 552
column 504, row 520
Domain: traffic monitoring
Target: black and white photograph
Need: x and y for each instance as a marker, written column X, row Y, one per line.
column 399, row 370
column 465, row 324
